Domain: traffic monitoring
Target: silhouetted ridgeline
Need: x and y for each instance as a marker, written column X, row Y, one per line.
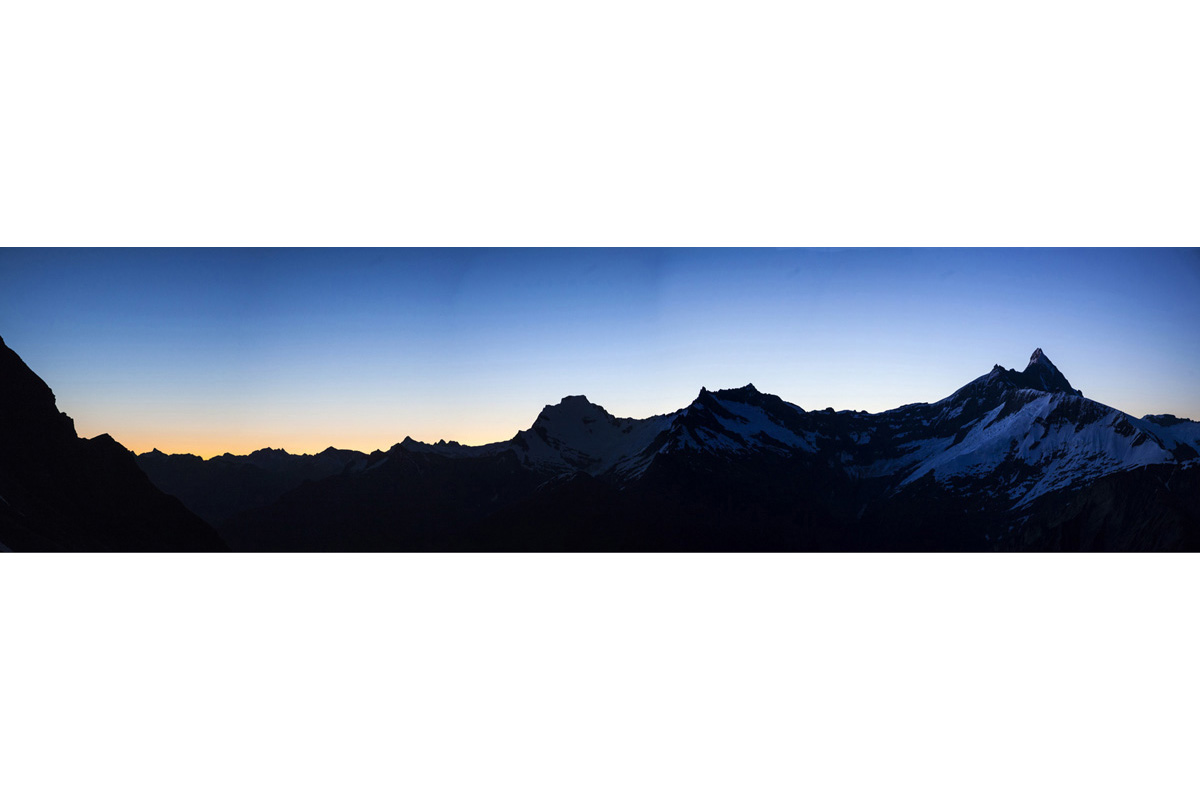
column 218, row 488
column 1015, row 460
column 61, row 492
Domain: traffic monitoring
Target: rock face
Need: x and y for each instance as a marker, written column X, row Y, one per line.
column 61, row 492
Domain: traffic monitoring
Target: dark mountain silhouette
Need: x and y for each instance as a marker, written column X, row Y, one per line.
column 220, row 487
column 429, row 501
column 1041, row 374
column 1012, row 461
column 61, row 492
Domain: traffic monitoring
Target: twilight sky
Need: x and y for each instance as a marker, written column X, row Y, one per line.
column 215, row 350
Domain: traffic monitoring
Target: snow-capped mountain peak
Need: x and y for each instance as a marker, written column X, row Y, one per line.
column 1031, row 427
column 738, row 421
column 580, row 435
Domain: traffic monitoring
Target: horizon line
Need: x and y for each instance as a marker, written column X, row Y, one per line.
column 209, row 455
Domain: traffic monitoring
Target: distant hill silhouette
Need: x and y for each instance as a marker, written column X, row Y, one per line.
column 218, row 488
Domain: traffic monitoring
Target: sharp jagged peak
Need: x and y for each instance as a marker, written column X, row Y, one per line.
column 1041, row 374
column 749, row 390
column 1040, row 360
column 721, row 400
column 742, row 394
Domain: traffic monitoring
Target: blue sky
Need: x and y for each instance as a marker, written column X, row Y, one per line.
column 215, row 350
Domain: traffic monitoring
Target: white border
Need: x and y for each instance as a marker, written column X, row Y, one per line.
column 648, row 123
column 536, row 123
column 598, row 676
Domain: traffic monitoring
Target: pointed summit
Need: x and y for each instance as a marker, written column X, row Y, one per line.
column 1039, row 357
column 1043, row 375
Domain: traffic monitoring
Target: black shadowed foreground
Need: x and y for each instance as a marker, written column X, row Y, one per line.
column 61, row 492
column 1015, row 460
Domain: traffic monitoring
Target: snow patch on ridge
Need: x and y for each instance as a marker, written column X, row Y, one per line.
column 1060, row 454
column 1035, row 440
column 751, row 422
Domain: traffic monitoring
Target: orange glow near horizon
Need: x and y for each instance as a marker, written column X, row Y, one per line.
column 209, row 445
column 231, row 350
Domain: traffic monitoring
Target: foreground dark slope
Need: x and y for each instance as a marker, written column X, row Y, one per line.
column 1015, row 460
column 61, row 492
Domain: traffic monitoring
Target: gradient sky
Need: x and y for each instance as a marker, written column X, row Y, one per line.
column 229, row 350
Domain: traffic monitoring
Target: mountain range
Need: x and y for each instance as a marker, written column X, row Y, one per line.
column 1014, row 460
